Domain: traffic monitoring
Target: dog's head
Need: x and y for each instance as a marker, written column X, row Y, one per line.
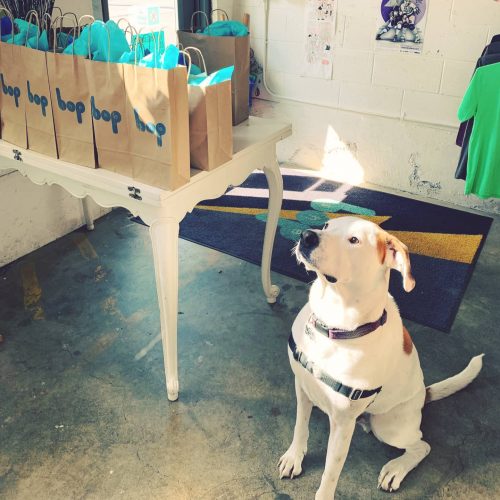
column 350, row 250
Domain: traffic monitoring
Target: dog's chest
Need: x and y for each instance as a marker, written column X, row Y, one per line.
column 322, row 395
column 376, row 360
column 349, row 365
column 360, row 363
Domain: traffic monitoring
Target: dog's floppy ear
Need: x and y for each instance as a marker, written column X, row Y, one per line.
column 394, row 254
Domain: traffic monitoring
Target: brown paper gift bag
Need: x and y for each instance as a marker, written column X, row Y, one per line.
column 71, row 107
column 108, row 110
column 12, row 96
column 39, row 118
column 210, row 128
column 158, row 125
column 220, row 52
column 107, row 106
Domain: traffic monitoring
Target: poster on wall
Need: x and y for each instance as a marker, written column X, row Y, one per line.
column 402, row 25
column 320, row 33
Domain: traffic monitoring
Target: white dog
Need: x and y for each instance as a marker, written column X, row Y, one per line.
column 351, row 354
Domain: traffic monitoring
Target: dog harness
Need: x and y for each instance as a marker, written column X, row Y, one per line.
column 334, row 333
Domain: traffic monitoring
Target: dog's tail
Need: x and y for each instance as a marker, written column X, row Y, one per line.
column 456, row 383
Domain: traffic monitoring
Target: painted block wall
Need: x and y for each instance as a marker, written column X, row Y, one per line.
column 79, row 8
column 33, row 216
column 385, row 118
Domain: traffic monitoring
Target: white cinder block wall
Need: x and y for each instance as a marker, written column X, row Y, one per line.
column 402, row 134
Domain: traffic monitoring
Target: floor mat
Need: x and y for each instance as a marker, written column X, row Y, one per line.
column 444, row 243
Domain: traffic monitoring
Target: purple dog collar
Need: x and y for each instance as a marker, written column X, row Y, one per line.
column 339, row 334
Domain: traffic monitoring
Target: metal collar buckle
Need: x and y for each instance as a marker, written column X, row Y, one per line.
column 355, row 394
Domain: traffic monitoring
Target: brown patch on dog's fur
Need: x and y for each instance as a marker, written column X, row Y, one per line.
column 407, row 342
column 381, row 248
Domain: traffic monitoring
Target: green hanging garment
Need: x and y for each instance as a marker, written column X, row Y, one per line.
column 482, row 101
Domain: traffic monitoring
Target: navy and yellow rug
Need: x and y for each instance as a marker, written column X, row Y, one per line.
column 444, row 243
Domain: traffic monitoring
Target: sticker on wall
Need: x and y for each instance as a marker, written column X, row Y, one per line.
column 402, row 25
column 320, row 33
column 144, row 15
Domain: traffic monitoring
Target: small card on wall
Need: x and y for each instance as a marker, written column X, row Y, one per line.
column 402, row 25
column 320, row 33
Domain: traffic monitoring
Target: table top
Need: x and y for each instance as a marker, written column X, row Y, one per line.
column 250, row 135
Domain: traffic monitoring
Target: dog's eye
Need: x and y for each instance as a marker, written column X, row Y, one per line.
column 353, row 240
column 325, row 226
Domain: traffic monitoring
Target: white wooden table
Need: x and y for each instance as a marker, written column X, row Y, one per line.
column 254, row 148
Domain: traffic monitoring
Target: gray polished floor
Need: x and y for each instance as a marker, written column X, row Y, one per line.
column 83, row 408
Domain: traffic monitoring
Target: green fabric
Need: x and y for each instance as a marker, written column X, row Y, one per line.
column 482, row 101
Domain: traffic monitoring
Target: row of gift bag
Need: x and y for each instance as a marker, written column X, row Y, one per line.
column 147, row 117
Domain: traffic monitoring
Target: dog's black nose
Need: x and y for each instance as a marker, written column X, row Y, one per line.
column 309, row 239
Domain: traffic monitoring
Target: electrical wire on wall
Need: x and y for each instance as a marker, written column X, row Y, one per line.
column 264, row 66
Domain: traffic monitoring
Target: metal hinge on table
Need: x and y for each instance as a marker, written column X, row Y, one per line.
column 134, row 193
column 17, row 155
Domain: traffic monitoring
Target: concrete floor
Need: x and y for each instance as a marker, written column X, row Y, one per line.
column 83, row 408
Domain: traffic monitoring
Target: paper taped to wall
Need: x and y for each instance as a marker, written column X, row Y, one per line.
column 320, row 33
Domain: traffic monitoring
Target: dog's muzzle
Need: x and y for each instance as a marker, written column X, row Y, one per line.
column 309, row 240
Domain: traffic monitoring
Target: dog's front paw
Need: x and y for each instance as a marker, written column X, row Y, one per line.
column 290, row 464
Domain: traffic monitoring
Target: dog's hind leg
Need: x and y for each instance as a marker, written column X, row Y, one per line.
column 400, row 427
column 290, row 464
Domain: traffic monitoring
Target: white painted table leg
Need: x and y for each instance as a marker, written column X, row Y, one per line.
column 87, row 213
column 275, row 182
column 165, row 240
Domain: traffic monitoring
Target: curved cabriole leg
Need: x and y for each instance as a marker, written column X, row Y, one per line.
column 165, row 240
column 275, row 182
column 87, row 214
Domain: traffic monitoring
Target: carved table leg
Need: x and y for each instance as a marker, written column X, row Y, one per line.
column 165, row 240
column 275, row 182
column 87, row 213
